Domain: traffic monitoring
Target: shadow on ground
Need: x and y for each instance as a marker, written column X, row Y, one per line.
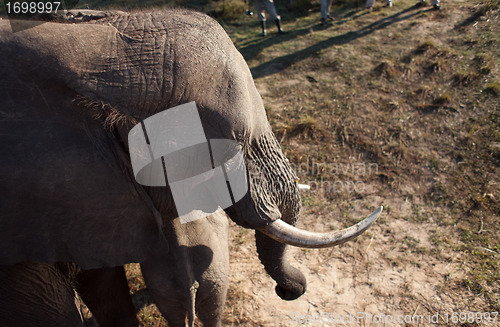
column 280, row 63
column 251, row 48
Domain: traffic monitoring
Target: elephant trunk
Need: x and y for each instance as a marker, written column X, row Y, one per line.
column 291, row 283
column 272, row 207
column 273, row 183
column 273, row 192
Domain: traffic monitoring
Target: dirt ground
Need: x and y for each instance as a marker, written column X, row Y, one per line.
column 386, row 272
column 415, row 267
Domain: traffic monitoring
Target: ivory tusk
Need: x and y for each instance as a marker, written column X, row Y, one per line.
column 303, row 187
column 288, row 234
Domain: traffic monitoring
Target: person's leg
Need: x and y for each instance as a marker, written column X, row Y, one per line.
column 420, row 3
column 278, row 25
column 271, row 10
column 435, row 4
column 263, row 27
column 370, row 3
column 329, row 5
column 325, row 10
column 259, row 8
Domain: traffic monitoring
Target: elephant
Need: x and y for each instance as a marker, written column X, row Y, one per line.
column 192, row 277
column 72, row 214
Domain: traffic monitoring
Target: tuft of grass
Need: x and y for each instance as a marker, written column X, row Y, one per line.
column 490, row 5
column 418, row 215
column 424, row 46
column 443, row 99
column 410, row 242
column 229, row 10
column 438, row 65
column 493, row 88
column 308, row 126
column 387, row 69
column 464, row 78
column 151, row 316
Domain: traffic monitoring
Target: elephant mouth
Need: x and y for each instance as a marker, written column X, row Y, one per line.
column 288, row 234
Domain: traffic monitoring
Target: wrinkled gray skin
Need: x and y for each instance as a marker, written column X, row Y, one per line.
column 70, row 93
column 193, row 274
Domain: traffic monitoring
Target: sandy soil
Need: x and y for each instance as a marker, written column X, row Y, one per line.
column 385, row 273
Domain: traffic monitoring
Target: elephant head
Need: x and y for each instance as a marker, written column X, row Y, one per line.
column 72, row 92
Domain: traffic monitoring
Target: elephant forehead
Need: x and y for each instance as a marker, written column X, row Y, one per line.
column 163, row 59
column 141, row 64
column 168, row 58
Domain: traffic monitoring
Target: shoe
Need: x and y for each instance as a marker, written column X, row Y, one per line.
column 420, row 4
column 436, row 7
column 324, row 20
column 388, row 4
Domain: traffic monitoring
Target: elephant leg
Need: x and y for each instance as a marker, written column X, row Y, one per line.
column 39, row 295
column 105, row 291
column 210, row 311
column 190, row 277
column 291, row 282
column 211, row 295
column 170, row 294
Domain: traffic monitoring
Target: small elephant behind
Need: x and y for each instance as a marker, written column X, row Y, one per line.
column 192, row 277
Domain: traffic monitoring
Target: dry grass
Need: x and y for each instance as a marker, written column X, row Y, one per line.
column 306, row 127
column 420, row 102
column 493, row 88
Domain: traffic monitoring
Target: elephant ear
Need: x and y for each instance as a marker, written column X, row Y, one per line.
column 67, row 191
